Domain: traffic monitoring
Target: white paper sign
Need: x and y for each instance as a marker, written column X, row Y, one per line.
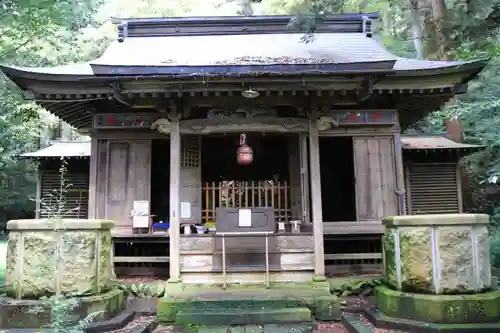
column 141, row 208
column 185, row 210
column 141, row 221
column 245, row 218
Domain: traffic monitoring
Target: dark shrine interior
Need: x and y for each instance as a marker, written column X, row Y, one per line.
column 271, row 156
column 160, row 179
column 337, row 179
column 270, row 152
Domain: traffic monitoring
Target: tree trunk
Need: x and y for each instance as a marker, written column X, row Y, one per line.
column 440, row 13
column 246, row 8
column 417, row 28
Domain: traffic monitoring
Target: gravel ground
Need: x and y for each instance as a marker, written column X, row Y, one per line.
column 321, row 327
column 134, row 324
column 368, row 324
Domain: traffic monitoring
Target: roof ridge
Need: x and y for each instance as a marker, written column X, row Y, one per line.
column 237, row 25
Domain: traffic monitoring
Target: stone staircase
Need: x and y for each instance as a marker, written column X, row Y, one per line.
column 236, row 308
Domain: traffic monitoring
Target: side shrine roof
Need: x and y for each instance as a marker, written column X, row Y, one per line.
column 239, row 46
column 62, row 149
column 82, row 149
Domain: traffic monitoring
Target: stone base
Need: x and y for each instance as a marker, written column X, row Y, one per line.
column 439, row 309
column 33, row 314
column 380, row 320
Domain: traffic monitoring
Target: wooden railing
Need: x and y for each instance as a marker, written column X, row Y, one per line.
column 243, row 194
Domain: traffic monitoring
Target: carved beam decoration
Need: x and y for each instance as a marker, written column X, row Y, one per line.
column 238, row 125
column 161, row 125
column 241, row 113
column 326, row 123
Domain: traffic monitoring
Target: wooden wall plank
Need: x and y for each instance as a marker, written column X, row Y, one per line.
column 375, row 177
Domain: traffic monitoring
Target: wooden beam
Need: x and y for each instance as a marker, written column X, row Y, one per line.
column 141, row 259
column 352, row 256
column 355, row 227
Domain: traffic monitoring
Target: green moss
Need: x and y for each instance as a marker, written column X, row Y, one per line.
column 354, row 286
column 389, row 250
column 22, row 314
column 423, row 326
column 447, row 309
column 326, row 308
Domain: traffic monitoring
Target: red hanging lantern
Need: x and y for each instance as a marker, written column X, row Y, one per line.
column 244, row 154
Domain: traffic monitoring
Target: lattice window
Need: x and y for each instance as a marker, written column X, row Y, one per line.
column 243, row 194
column 190, row 153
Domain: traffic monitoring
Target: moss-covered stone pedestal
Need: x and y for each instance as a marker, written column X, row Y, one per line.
column 435, row 313
column 68, row 257
column 438, row 275
column 16, row 313
column 437, row 254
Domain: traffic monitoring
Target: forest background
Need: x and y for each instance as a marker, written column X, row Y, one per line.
column 56, row 32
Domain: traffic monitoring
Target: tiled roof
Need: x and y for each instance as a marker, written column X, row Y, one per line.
column 245, row 50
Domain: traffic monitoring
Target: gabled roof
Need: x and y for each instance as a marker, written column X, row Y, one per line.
column 155, row 58
column 250, row 54
column 241, row 46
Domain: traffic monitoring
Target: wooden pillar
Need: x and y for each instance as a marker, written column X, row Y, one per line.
column 317, row 218
column 175, row 218
column 38, row 201
column 93, row 178
column 400, row 181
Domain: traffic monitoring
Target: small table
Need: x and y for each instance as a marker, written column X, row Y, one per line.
column 243, row 234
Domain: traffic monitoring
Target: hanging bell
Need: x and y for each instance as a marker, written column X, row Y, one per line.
column 244, row 155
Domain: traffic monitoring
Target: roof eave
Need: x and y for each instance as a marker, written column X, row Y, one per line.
column 474, row 67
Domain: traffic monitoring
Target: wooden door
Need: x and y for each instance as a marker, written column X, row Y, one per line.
column 190, row 177
column 123, row 176
column 375, row 172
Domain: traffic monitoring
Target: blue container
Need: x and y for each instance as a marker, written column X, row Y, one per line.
column 158, row 225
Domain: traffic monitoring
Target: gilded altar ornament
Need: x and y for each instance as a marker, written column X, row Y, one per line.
column 244, row 154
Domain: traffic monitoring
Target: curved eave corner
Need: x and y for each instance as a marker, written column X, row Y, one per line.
column 428, row 68
column 67, row 73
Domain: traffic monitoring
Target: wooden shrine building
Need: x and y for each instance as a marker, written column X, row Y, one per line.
column 170, row 102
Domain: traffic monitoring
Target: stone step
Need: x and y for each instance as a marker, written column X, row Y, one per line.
column 268, row 328
column 238, row 316
column 353, row 324
column 168, row 308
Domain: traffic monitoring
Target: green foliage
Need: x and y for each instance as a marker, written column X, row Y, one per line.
column 143, row 290
column 363, row 286
column 61, row 314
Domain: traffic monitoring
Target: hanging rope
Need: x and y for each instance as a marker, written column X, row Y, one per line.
column 243, row 139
